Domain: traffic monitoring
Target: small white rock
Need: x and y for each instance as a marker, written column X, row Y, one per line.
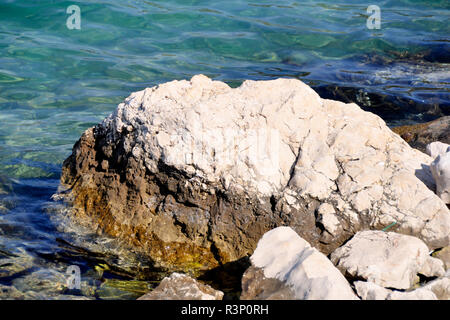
column 283, row 255
column 440, row 168
column 387, row 259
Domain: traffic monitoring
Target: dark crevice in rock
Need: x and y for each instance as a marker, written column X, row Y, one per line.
column 352, row 278
column 424, row 279
column 273, row 203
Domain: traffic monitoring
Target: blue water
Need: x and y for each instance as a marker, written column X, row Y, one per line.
column 56, row 82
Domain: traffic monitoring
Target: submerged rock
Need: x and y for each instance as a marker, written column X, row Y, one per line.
column 114, row 289
column 182, row 287
column 47, row 282
column 420, row 135
column 193, row 173
column 12, row 264
column 5, row 186
column 11, row 293
column 6, row 202
column 285, row 266
column 387, row 259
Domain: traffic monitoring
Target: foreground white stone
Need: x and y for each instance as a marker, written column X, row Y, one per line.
column 387, row 259
column 371, row 291
column 301, row 271
column 182, row 287
column 340, row 154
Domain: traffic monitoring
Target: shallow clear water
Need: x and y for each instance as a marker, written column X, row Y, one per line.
column 56, row 82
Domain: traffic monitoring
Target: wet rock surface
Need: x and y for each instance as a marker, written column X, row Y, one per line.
column 420, row 135
column 181, row 172
column 440, row 168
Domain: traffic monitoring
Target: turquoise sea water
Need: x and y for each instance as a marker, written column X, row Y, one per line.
column 56, row 82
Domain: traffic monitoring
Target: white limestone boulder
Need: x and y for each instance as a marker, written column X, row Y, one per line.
column 372, row 291
column 388, row 259
column 285, row 266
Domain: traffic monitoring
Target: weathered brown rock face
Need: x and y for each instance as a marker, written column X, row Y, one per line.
column 169, row 172
column 185, row 228
column 420, row 135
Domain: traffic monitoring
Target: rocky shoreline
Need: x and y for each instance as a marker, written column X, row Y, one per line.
column 197, row 176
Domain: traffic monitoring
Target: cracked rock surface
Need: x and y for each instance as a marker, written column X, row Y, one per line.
column 193, row 173
column 388, row 259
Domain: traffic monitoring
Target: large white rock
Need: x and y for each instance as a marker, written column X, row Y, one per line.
column 250, row 138
column 301, row 271
column 196, row 170
column 387, row 259
column 371, row 291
